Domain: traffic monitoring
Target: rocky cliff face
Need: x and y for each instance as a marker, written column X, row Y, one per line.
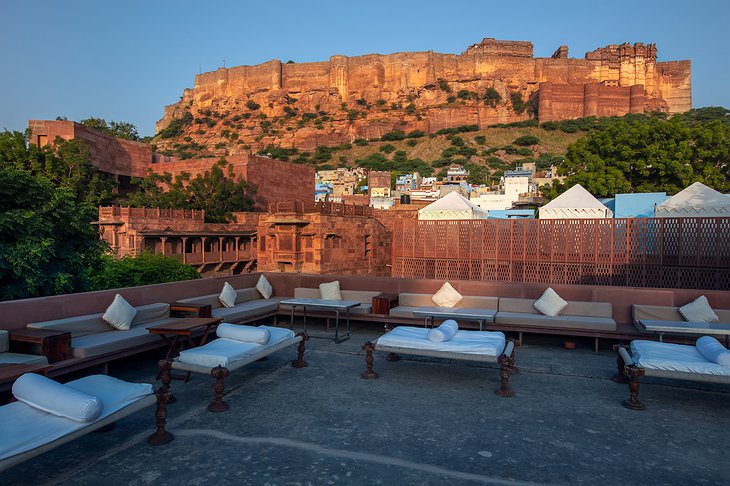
column 327, row 103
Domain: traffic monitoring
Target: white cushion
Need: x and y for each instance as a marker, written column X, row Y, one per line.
column 550, row 303
column 445, row 332
column 249, row 334
column 713, row 350
column 330, row 291
column 57, row 399
column 264, row 287
column 228, row 295
column 484, row 343
column 699, row 311
column 119, row 314
column 446, row 296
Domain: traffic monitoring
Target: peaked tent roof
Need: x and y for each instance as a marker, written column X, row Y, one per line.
column 575, row 197
column 455, row 204
column 696, row 199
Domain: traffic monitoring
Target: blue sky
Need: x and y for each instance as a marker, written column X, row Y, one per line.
column 125, row 60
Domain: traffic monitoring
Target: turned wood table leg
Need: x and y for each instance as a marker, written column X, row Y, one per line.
column 369, row 374
column 633, row 403
column 504, row 370
column 165, row 366
column 161, row 436
column 218, row 405
column 300, row 363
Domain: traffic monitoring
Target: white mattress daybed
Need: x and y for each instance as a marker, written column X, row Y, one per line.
column 237, row 345
column 48, row 414
column 483, row 346
column 667, row 360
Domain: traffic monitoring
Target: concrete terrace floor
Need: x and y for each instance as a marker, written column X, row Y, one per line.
column 425, row 421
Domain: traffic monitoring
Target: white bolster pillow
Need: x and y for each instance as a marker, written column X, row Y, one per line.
column 248, row 334
column 713, row 350
column 445, row 332
column 57, row 399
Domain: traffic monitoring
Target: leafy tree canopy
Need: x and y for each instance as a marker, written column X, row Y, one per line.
column 47, row 245
column 647, row 156
column 145, row 269
column 66, row 165
column 216, row 192
column 115, row 129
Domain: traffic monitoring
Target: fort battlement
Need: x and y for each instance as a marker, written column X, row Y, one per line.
column 417, row 78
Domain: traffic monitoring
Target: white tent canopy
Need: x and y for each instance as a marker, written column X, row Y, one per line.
column 452, row 206
column 575, row 203
column 695, row 201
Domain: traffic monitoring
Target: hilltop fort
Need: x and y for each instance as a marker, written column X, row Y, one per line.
column 325, row 103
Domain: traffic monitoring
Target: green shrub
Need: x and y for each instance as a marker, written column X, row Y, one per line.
column 492, row 97
column 526, row 140
column 252, row 105
column 465, row 94
column 457, row 141
column 387, row 148
column 360, row 142
column 393, row 136
column 412, row 142
column 480, row 139
column 416, row 134
column 444, row 86
column 518, row 104
column 145, row 269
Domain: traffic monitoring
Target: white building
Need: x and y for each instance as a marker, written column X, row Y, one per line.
column 514, row 183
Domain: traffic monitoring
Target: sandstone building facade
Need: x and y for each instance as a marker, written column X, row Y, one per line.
column 366, row 96
column 275, row 180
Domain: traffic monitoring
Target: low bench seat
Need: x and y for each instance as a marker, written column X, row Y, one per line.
column 28, row 431
column 6, row 357
column 482, row 346
column 91, row 336
column 664, row 360
column 223, row 355
column 249, row 305
column 409, row 302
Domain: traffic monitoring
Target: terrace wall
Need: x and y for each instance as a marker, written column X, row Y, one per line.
column 17, row 313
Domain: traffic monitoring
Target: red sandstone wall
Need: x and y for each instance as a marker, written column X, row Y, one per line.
column 111, row 155
column 279, row 181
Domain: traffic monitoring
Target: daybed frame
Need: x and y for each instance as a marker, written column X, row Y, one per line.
column 629, row 372
column 220, row 373
column 506, row 360
column 160, row 437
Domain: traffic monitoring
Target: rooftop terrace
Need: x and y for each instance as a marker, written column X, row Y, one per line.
column 425, row 421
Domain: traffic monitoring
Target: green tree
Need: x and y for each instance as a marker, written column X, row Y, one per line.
column 145, row 269
column 646, row 156
column 67, row 164
column 217, row 192
column 115, row 129
column 478, row 174
column 47, row 245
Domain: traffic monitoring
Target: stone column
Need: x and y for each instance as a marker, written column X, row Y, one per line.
column 339, row 72
column 590, row 99
column 637, row 99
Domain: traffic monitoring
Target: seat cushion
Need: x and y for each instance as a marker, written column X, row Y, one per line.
column 246, row 310
column 225, row 352
column 446, row 296
column 488, row 343
column 674, row 357
column 558, row 322
column 18, row 358
column 113, row 341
